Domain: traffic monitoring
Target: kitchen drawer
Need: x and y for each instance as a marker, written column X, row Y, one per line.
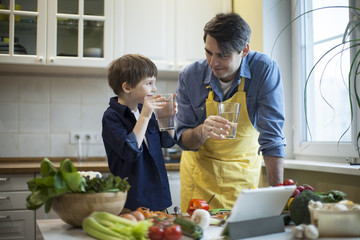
column 16, row 225
column 14, row 182
column 13, row 200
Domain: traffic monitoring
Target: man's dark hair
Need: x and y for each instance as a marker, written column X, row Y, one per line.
column 130, row 68
column 231, row 32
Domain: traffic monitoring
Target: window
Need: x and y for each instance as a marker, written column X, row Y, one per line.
column 324, row 123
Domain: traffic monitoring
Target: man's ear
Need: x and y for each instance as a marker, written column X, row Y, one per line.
column 245, row 51
column 126, row 87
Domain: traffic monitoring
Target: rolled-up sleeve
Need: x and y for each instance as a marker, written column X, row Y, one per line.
column 271, row 112
column 185, row 117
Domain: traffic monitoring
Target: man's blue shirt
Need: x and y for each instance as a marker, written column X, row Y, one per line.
column 144, row 167
column 264, row 98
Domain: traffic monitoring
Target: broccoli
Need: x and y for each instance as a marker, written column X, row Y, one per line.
column 299, row 211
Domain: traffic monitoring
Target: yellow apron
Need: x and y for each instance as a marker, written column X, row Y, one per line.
column 222, row 167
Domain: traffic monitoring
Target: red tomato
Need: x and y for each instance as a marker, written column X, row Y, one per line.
column 289, row 182
column 173, row 232
column 300, row 188
column 156, row 233
column 279, row 185
column 309, row 187
column 296, row 192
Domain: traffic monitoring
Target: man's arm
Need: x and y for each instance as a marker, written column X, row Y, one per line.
column 274, row 169
column 213, row 126
column 192, row 138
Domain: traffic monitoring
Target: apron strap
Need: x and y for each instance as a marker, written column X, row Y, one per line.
column 242, row 85
column 211, row 93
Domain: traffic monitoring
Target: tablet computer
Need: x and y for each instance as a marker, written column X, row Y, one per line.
column 260, row 203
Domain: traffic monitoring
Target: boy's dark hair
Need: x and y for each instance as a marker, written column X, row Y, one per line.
column 130, row 68
column 231, row 32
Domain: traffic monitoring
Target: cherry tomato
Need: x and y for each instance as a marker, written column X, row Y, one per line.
column 289, row 182
column 156, row 233
column 300, row 188
column 309, row 187
column 173, row 232
column 280, row 184
column 296, row 192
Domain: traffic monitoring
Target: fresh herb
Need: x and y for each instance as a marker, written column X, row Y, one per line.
column 332, row 196
column 55, row 182
column 107, row 183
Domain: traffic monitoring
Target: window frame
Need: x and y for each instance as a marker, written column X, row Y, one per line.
column 321, row 151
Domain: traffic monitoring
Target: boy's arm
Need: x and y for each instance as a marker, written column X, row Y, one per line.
column 140, row 128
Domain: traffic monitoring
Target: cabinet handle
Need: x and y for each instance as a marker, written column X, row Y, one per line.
column 4, row 179
column 171, row 64
column 51, row 59
column 180, row 65
column 4, row 217
column 40, row 59
column 4, row 198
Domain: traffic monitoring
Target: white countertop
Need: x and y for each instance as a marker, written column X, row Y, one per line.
column 55, row 229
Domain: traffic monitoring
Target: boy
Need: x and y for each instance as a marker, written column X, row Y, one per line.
column 131, row 134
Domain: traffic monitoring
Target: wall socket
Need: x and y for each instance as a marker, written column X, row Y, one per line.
column 86, row 137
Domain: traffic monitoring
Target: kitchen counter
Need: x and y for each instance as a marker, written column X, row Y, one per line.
column 57, row 229
column 32, row 165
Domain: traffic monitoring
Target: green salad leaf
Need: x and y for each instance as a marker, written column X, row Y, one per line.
column 55, row 182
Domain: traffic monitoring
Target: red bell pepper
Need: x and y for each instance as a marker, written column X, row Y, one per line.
column 197, row 204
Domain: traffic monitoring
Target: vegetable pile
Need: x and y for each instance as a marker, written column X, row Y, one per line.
column 55, row 182
column 303, row 194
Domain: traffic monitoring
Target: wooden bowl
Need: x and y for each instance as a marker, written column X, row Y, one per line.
column 72, row 208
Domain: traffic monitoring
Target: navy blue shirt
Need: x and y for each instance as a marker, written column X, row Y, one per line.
column 144, row 167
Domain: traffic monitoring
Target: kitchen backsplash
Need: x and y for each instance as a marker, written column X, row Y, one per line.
column 38, row 112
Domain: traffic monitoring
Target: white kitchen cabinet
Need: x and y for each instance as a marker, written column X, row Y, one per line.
column 16, row 222
column 174, row 182
column 62, row 32
column 170, row 32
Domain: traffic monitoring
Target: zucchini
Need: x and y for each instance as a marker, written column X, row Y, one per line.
column 189, row 228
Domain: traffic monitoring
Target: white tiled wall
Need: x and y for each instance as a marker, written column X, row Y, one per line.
column 38, row 112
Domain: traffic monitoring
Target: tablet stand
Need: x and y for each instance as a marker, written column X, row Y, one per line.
column 255, row 227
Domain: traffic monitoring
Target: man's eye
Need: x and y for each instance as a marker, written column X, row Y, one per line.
column 224, row 55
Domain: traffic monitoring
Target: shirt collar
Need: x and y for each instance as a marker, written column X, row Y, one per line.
column 122, row 109
column 245, row 68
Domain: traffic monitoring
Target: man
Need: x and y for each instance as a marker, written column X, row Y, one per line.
column 231, row 72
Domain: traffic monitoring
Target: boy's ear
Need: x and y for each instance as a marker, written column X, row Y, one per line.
column 126, row 87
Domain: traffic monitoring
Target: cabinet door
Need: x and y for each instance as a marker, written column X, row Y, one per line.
column 147, row 28
column 80, row 32
column 191, row 17
column 23, row 31
column 174, row 182
column 17, row 225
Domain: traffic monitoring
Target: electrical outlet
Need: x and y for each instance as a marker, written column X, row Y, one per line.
column 86, row 137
